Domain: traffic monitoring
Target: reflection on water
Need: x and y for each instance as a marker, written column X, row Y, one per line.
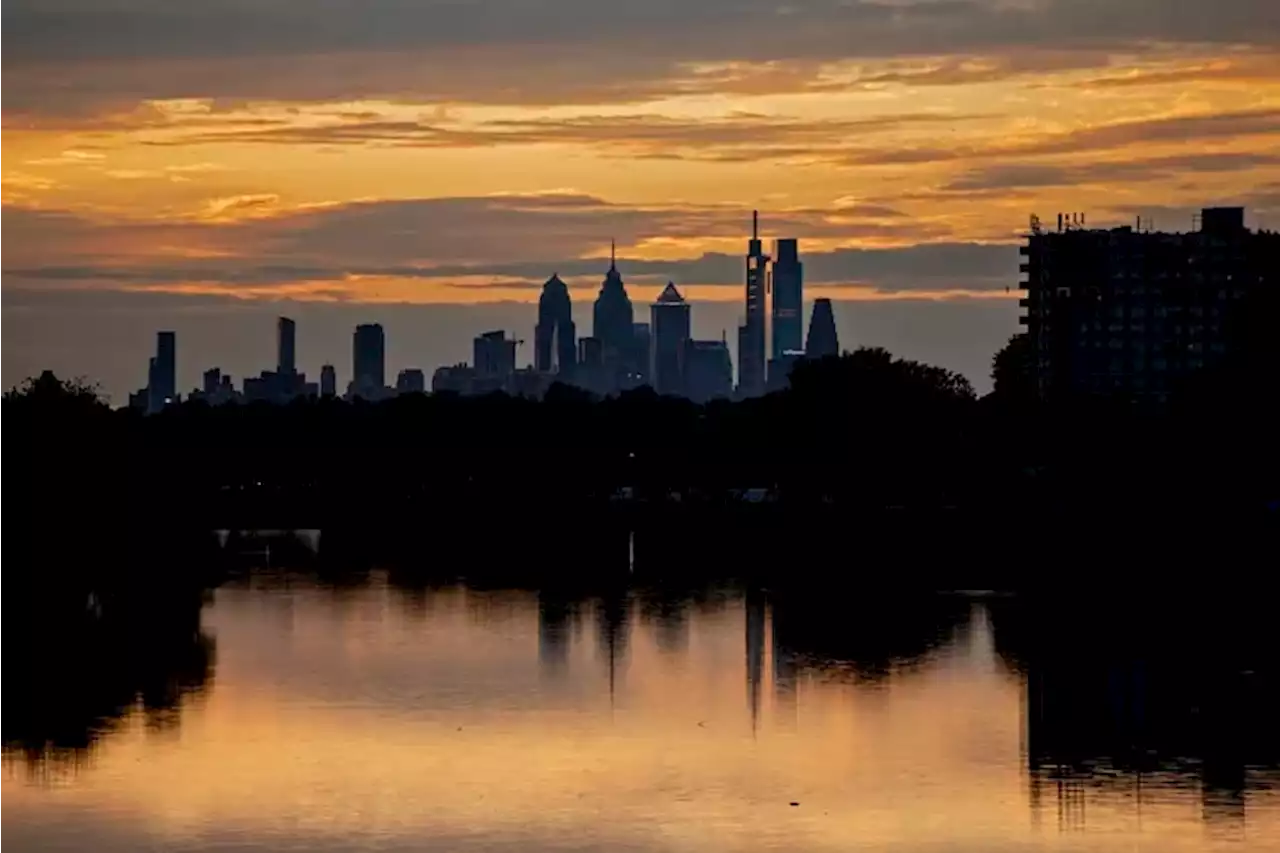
column 83, row 672
column 355, row 712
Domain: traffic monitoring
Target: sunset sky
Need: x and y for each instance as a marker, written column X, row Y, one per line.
column 204, row 166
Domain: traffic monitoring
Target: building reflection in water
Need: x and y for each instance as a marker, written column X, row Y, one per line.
column 755, row 629
column 860, row 638
column 1118, row 719
column 1135, row 710
column 613, row 624
column 785, row 674
column 669, row 616
column 556, row 615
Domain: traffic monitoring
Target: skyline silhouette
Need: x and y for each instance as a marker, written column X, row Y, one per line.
column 1111, row 281
column 213, row 177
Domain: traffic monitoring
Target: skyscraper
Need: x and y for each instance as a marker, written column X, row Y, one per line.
column 286, row 331
column 822, row 331
column 1138, row 312
column 555, row 341
column 670, row 325
column 780, row 370
column 411, row 380
column 788, row 299
column 328, row 381
column 368, row 359
column 612, row 320
column 162, row 378
column 751, row 334
column 643, row 346
column 212, row 379
column 494, row 355
column 708, row 370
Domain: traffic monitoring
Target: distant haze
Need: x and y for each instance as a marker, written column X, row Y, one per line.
column 109, row 342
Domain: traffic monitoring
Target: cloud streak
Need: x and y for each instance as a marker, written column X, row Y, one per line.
column 1204, row 127
column 514, row 239
column 1019, row 175
column 132, row 29
column 67, row 55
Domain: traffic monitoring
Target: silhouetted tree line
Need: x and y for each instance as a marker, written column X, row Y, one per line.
column 857, row 436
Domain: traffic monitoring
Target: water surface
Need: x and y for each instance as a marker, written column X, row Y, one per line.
column 374, row 717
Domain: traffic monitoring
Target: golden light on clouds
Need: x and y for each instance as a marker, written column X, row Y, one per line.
column 454, row 154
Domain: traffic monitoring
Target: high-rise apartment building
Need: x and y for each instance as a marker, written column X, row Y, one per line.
column 1124, row 311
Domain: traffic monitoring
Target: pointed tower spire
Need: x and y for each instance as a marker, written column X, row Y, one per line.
column 613, row 247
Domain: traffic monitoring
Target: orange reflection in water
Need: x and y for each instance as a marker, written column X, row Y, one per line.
column 449, row 719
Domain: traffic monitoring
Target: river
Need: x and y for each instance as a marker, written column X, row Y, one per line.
column 378, row 716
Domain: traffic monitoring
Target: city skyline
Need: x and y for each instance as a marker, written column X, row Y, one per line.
column 443, row 157
column 619, row 354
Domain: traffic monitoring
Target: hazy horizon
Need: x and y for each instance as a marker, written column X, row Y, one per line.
column 107, row 339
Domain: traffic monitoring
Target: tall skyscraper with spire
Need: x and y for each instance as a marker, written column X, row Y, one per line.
column 751, row 334
column 555, row 340
column 613, row 324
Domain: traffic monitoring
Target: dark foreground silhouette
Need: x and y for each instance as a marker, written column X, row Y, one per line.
column 88, row 646
column 861, row 449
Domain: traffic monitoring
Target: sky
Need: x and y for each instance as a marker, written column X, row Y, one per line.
column 206, row 166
